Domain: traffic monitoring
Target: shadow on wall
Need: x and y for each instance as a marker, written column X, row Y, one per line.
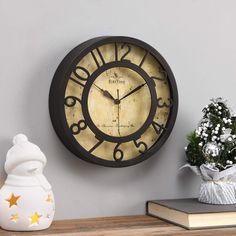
column 188, row 183
column 5, row 144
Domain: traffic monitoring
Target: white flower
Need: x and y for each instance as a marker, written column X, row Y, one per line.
column 229, row 139
column 185, row 148
column 225, row 120
column 200, row 144
column 219, row 107
column 229, row 162
column 226, row 134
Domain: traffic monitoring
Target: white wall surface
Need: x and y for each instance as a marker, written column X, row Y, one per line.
column 197, row 38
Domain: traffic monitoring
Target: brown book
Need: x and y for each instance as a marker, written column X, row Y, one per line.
column 192, row 214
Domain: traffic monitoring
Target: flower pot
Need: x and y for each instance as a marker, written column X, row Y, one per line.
column 217, row 192
column 217, row 187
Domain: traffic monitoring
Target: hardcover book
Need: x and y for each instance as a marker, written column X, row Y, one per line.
column 192, row 214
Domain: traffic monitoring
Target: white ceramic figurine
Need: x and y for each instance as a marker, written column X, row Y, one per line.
column 26, row 198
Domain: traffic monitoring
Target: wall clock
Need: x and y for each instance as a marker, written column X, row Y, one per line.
column 113, row 101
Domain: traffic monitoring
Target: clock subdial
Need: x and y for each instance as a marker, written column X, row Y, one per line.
column 128, row 98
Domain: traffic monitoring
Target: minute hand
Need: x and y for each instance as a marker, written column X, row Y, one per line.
column 133, row 91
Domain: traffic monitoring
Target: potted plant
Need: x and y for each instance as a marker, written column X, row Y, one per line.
column 211, row 153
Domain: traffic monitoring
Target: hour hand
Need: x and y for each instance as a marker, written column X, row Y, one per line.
column 105, row 93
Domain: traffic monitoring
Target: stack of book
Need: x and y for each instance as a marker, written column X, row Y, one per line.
column 192, row 214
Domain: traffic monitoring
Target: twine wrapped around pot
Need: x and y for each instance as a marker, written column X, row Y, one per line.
column 217, row 187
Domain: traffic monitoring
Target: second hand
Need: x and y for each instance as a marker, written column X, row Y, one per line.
column 118, row 112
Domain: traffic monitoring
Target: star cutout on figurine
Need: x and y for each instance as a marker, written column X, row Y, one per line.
column 49, row 199
column 14, row 217
column 13, row 200
column 34, row 218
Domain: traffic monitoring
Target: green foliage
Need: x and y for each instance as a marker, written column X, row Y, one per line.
column 192, row 138
column 214, row 140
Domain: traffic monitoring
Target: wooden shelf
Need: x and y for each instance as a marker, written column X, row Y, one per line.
column 120, row 226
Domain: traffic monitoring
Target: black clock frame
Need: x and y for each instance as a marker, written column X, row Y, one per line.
column 57, row 102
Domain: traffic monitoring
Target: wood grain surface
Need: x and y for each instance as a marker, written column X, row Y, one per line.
column 120, row 226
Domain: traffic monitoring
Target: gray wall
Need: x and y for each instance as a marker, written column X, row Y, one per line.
column 197, row 38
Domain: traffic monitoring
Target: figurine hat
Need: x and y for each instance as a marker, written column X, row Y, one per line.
column 23, row 151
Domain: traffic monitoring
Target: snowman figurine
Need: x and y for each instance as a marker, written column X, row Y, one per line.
column 26, row 198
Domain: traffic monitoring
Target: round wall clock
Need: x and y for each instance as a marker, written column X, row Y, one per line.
column 113, row 101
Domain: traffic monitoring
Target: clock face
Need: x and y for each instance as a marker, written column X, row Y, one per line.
column 113, row 101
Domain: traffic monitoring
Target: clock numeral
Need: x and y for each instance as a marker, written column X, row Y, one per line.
column 76, row 128
column 70, row 101
column 164, row 75
column 157, row 127
column 116, row 52
column 81, row 74
column 162, row 104
column 128, row 49
column 118, row 153
column 84, row 72
column 100, row 58
column 144, row 57
column 141, row 144
column 95, row 146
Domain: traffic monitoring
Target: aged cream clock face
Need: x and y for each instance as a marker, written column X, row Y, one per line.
column 118, row 114
column 113, row 101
